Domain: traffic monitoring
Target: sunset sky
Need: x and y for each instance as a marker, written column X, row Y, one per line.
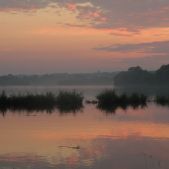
column 47, row 36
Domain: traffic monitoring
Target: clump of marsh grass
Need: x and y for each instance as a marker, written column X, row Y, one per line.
column 109, row 100
column 68, row 101
column 162, row 100
column 33, row 102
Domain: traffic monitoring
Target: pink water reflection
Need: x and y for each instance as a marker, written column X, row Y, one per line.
column 134, row 134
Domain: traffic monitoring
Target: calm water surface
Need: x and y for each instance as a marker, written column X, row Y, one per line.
column 88, row 139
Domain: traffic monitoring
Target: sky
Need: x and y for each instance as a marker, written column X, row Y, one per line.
column 50, row 36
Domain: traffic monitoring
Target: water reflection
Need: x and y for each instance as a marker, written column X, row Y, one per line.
column 100, row 153
column 36, row 112
column 134, row 138
column 112, row 108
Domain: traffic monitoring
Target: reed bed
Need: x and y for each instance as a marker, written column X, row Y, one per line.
column 109, row 100
column 64, row 101
column 162, row 100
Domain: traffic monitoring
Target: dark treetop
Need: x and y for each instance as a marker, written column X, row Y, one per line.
column 138, row 76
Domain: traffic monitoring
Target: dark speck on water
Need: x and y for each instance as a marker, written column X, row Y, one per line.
column 72, row 147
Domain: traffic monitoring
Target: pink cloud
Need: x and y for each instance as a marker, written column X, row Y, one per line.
column 71, row 6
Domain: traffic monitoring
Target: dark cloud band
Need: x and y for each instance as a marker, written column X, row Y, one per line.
column 152, row 47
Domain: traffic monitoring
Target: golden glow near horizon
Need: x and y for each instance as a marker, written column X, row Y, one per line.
column 90, row 33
